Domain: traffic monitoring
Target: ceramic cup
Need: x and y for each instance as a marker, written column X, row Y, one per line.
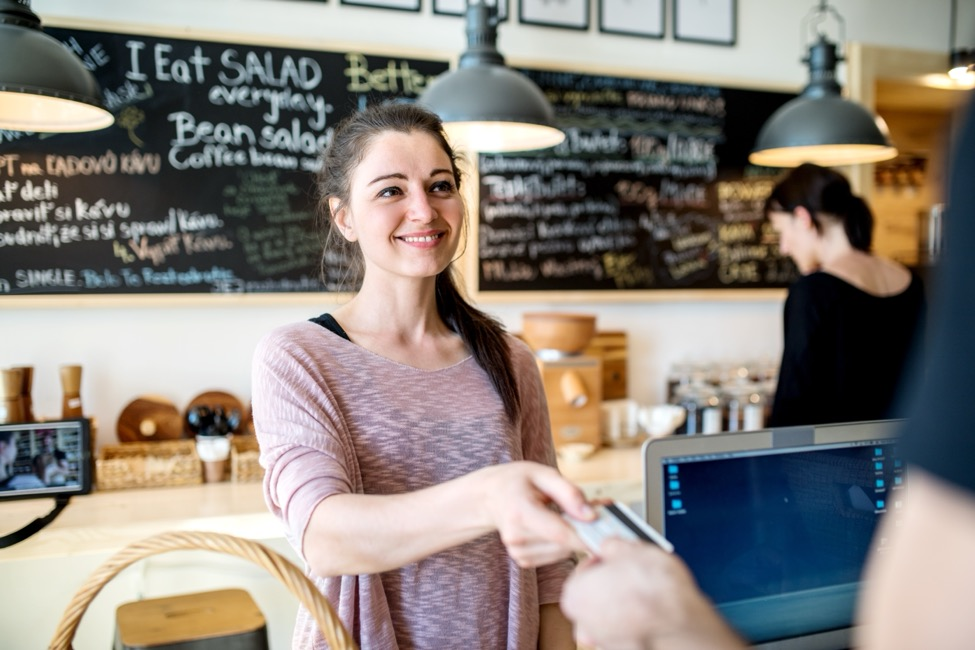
column 661, row 420
column 620, row 426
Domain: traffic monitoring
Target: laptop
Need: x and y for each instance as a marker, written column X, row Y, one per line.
column 776, row 524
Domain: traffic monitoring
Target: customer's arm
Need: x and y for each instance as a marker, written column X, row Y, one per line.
column 919, row 583
column 637, row 596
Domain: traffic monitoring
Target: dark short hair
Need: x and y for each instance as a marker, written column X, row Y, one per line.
column 824, row 192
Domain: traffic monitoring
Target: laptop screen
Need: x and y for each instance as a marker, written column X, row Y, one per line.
column 776, row 525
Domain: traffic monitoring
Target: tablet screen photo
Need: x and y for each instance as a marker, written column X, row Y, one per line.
column 45, row 459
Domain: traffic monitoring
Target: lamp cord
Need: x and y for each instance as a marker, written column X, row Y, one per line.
column 814, row 20
column 953, row 27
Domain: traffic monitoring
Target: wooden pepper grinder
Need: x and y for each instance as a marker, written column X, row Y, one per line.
column 11, row 402
column 26, row 382
column 71, row 387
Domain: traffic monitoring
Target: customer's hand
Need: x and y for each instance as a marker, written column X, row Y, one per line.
column 634, row 595
column 520, row 498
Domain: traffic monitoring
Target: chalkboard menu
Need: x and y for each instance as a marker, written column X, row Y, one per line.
column 650, row 190
column 205, row 182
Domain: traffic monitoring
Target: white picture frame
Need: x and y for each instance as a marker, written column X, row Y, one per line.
column 399, row 5
column 713, row 22
column 643, row 18
column 564, row 14
column 459, row 8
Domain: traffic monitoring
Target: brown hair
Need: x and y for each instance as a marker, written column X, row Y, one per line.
column 823, row 191
column 483, row 334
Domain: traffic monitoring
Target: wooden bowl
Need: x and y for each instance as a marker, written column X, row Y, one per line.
column 566, row 333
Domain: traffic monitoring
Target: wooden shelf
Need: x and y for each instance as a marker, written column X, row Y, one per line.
column 106, row 521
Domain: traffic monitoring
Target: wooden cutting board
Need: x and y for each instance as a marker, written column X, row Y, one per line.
column 148, row 418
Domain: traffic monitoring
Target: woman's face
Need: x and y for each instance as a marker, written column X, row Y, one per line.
column 798, row 238
column 404, row 208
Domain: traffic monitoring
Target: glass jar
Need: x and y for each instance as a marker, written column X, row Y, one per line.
column 744, row 406
column 678, row 376
column 703, row 407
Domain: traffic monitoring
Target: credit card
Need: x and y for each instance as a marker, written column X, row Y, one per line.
column 616, row 520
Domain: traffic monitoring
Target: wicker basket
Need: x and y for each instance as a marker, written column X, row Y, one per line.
column 148, row 464
column 244, row 465
column 277, row 565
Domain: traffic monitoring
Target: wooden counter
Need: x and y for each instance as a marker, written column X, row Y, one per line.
column 108, row 520
column 55, row 562
column 111, row 519
column 610, row 473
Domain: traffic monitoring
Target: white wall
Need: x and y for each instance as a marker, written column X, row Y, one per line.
column 768, row 50
column 178, row 350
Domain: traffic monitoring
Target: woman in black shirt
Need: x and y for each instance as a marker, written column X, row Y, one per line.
column 852, row 317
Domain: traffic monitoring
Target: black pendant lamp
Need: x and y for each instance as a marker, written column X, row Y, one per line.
column 44, row 87
column 485, row 105
column 961, row 64
column 820, row 126
column 961, row 68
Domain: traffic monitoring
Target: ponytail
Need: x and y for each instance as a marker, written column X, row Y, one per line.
column 824, row 192
column 858, row 224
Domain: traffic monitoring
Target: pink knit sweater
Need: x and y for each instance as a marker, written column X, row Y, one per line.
column 333, row 417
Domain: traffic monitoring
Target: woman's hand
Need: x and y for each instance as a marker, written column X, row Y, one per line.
column 636, row 595
column 520, row 499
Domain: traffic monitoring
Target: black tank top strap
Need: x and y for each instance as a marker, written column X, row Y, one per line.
column 328, row 322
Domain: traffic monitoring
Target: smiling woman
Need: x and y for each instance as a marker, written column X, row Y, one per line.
column 419, row 519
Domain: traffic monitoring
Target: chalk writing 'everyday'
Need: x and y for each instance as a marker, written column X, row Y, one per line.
column 276, row 101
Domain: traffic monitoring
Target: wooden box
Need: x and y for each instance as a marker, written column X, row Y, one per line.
column 564, row 378
column 611, row 348
column 212, row 620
